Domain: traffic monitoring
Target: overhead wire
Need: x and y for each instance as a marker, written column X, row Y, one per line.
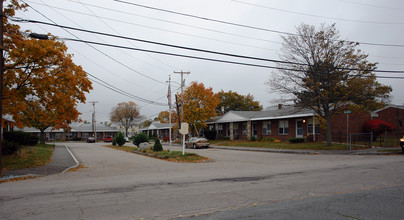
column 96, row 48
column 371, row 5
column 221, row 61
column 171, row 31
column 182, row 47
column 316, row 16
column 122, row 92
column 176, row 32
column 109, row 86
column 114, row 30
column 105, row 69
column 242, row 25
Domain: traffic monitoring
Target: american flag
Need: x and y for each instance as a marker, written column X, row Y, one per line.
column 169, row 96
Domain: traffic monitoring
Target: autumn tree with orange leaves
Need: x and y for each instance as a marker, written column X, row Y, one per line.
column 199, row 105
column 164, row 117
column 42, row 86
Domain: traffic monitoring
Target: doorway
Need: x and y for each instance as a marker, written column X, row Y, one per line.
column 299, row 128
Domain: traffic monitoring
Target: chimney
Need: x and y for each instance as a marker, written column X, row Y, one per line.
column 280, row 106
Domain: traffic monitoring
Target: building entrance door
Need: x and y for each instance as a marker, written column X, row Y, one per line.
column 299, row 128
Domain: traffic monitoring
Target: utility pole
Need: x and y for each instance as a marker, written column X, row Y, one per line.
column 182, row 92
column 169, row 108
column 182, row 106
column 1, row 84
column 94, row 121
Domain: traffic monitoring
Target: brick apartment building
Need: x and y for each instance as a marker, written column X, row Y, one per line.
column 288, row 122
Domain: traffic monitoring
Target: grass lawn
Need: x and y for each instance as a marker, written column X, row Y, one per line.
column 173, row 156
column 40, row 155
column 284, row 145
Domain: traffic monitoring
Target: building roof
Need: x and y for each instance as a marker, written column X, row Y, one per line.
column 75, row 127
column 155, row 125
column 284, row 112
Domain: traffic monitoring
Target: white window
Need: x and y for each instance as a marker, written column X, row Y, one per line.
column 266, row 128
column 84, row 135
column 310, row 126
column 283, row 127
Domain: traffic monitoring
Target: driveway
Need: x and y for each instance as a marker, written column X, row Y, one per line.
column 120, row 185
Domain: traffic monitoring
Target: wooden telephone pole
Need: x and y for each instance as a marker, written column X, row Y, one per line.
column 94, row 121
column 1, row 84
column 182, row 92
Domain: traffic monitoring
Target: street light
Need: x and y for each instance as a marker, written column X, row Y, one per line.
column 39, row 36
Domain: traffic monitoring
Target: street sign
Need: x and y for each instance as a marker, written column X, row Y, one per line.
column 347, row 112
column 184, row 128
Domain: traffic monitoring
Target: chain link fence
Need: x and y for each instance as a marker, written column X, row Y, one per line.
column 388, row 139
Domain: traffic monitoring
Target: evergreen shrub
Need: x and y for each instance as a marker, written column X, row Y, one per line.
column 157, row 145
column 140, row 138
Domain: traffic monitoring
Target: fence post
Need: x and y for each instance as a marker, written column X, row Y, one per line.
column 350, row 142
column 371, row 139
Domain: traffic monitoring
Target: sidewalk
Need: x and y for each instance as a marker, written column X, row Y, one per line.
column 370, row 151
column 62, row 160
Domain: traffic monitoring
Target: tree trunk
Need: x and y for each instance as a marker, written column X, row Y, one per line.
column 328, row 130
column 42, row 136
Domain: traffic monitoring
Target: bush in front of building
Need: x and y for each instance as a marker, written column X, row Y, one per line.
column 120, row 139
column 157, row 145
column 21, row 138
column 77, row 139
column 378, row 127
column 9, row 147
column 296, row 140
column 140, row 138
column 210, row 135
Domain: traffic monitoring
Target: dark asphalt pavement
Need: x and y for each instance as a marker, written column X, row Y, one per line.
column 385, row 203
column 61, row 160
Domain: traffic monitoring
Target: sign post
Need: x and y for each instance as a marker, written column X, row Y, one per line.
column 347, row 127
column 184, row 131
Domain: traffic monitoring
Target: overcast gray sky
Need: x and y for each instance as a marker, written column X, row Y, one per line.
column 144, row 75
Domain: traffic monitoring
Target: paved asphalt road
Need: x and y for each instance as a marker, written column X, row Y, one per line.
column 384, row 203
column 121, row 185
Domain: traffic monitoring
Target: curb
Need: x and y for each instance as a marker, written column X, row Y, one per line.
column 75, row 160
column 37, row 175
column 267, row 150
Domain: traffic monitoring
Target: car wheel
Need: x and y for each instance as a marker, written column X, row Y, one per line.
column 402, row 150
column 194, row 146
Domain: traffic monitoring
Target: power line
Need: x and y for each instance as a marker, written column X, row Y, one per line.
column 55, row 24
column 187, row 48
column 154, row 42
column 316, row 16
column 371, row 5
column 243, row 25
column 122, row 92
column 162, row 20
column 96, row 63
column 221, row 61
column 113, row 29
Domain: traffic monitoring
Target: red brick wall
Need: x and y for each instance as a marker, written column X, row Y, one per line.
column 393, row 116
column 356, row 121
